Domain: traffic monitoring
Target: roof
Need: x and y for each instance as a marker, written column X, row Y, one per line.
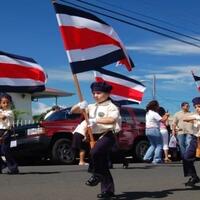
column 50, row 92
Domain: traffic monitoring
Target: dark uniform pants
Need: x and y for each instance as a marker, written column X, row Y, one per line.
column 99, row 163
column 5, row 151
column 189, row 158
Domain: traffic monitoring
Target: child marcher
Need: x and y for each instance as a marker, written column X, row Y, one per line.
column 190, row 154
column 6, row 123
column 105, row 121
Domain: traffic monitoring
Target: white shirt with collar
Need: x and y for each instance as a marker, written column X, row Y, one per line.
column 98, row 110
column 196, row 125
column 8, row 122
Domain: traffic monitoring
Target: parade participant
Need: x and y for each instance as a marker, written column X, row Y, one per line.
column 153, row 120
column 6, row 123
column 189, row 155
column 182, row 129
column 105, row 121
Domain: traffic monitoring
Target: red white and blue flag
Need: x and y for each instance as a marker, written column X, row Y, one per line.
column 90, row 43
column 125, row 90
column 197, row 80
column 20, row 74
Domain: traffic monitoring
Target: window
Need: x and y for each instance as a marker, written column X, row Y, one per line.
column 140, row 115
column 62, row 115
column 126, row 118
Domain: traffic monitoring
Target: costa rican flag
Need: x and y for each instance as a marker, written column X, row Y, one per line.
column 90, row 43
column 197, row 80
column 20, row 74
column 125, row 90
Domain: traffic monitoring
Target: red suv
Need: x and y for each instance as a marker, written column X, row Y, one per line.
column 52, row 137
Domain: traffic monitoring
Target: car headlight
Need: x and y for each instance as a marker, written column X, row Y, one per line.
column 35, row 131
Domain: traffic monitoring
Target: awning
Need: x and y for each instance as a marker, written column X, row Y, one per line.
column 50, row 93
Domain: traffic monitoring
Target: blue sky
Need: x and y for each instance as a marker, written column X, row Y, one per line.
column 29, row 28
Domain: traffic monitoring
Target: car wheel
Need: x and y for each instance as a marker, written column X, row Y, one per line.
column 61, row 151
column 140, row 149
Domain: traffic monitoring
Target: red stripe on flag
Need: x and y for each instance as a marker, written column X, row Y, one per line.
column 18, row 71
column 76, row 38
column 122, row 90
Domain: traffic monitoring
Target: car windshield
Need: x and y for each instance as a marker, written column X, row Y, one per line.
column 62, row 115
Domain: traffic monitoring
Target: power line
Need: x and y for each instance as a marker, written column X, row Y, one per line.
column 133, row 24
column 139, row 20
column 147, row 16
column 181, row 15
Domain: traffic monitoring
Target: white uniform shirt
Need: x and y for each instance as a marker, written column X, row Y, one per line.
column 9, row 121
column 105, row 109
column 196, row 125
column 152, row 119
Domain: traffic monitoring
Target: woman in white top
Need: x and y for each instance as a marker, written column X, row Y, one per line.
column 153, row 119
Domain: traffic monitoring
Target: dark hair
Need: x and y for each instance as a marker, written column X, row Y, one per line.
column 5, row 95
column 161, row 111
column 152, row 105
column 196, row 101
column 101, row 87
column 184, row 103
column 55, row 107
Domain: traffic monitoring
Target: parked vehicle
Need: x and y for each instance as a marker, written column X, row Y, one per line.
column 52, row 137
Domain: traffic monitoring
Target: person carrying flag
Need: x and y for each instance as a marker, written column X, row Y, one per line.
column 105, row 121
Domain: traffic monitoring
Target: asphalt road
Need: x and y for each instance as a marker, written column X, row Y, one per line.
column 62, row 182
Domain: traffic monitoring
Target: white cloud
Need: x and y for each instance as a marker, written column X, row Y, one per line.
column 39, row 108
column 165, row 47
column 65, row 75
column 173, row 72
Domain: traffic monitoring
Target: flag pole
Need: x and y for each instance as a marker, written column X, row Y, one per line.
column 89, row 130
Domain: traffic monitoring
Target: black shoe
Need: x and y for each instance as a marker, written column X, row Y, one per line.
column 125, row 164
column 16, row 171
column 147, row 161
column 93, row 181
column 192, row 181
column 105, row 195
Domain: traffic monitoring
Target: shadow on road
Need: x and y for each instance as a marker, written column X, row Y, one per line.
column 153, row 195
column 151, row 166
column 39, row 173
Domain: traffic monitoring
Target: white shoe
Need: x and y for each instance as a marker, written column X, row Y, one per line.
column 83, row 163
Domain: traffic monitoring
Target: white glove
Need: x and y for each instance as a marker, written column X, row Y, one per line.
column 92, row 122
column 83, row 105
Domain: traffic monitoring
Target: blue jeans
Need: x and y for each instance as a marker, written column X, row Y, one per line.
column 184, row 141
column 154, row 152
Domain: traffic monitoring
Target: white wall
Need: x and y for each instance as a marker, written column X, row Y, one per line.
column 23, row 103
